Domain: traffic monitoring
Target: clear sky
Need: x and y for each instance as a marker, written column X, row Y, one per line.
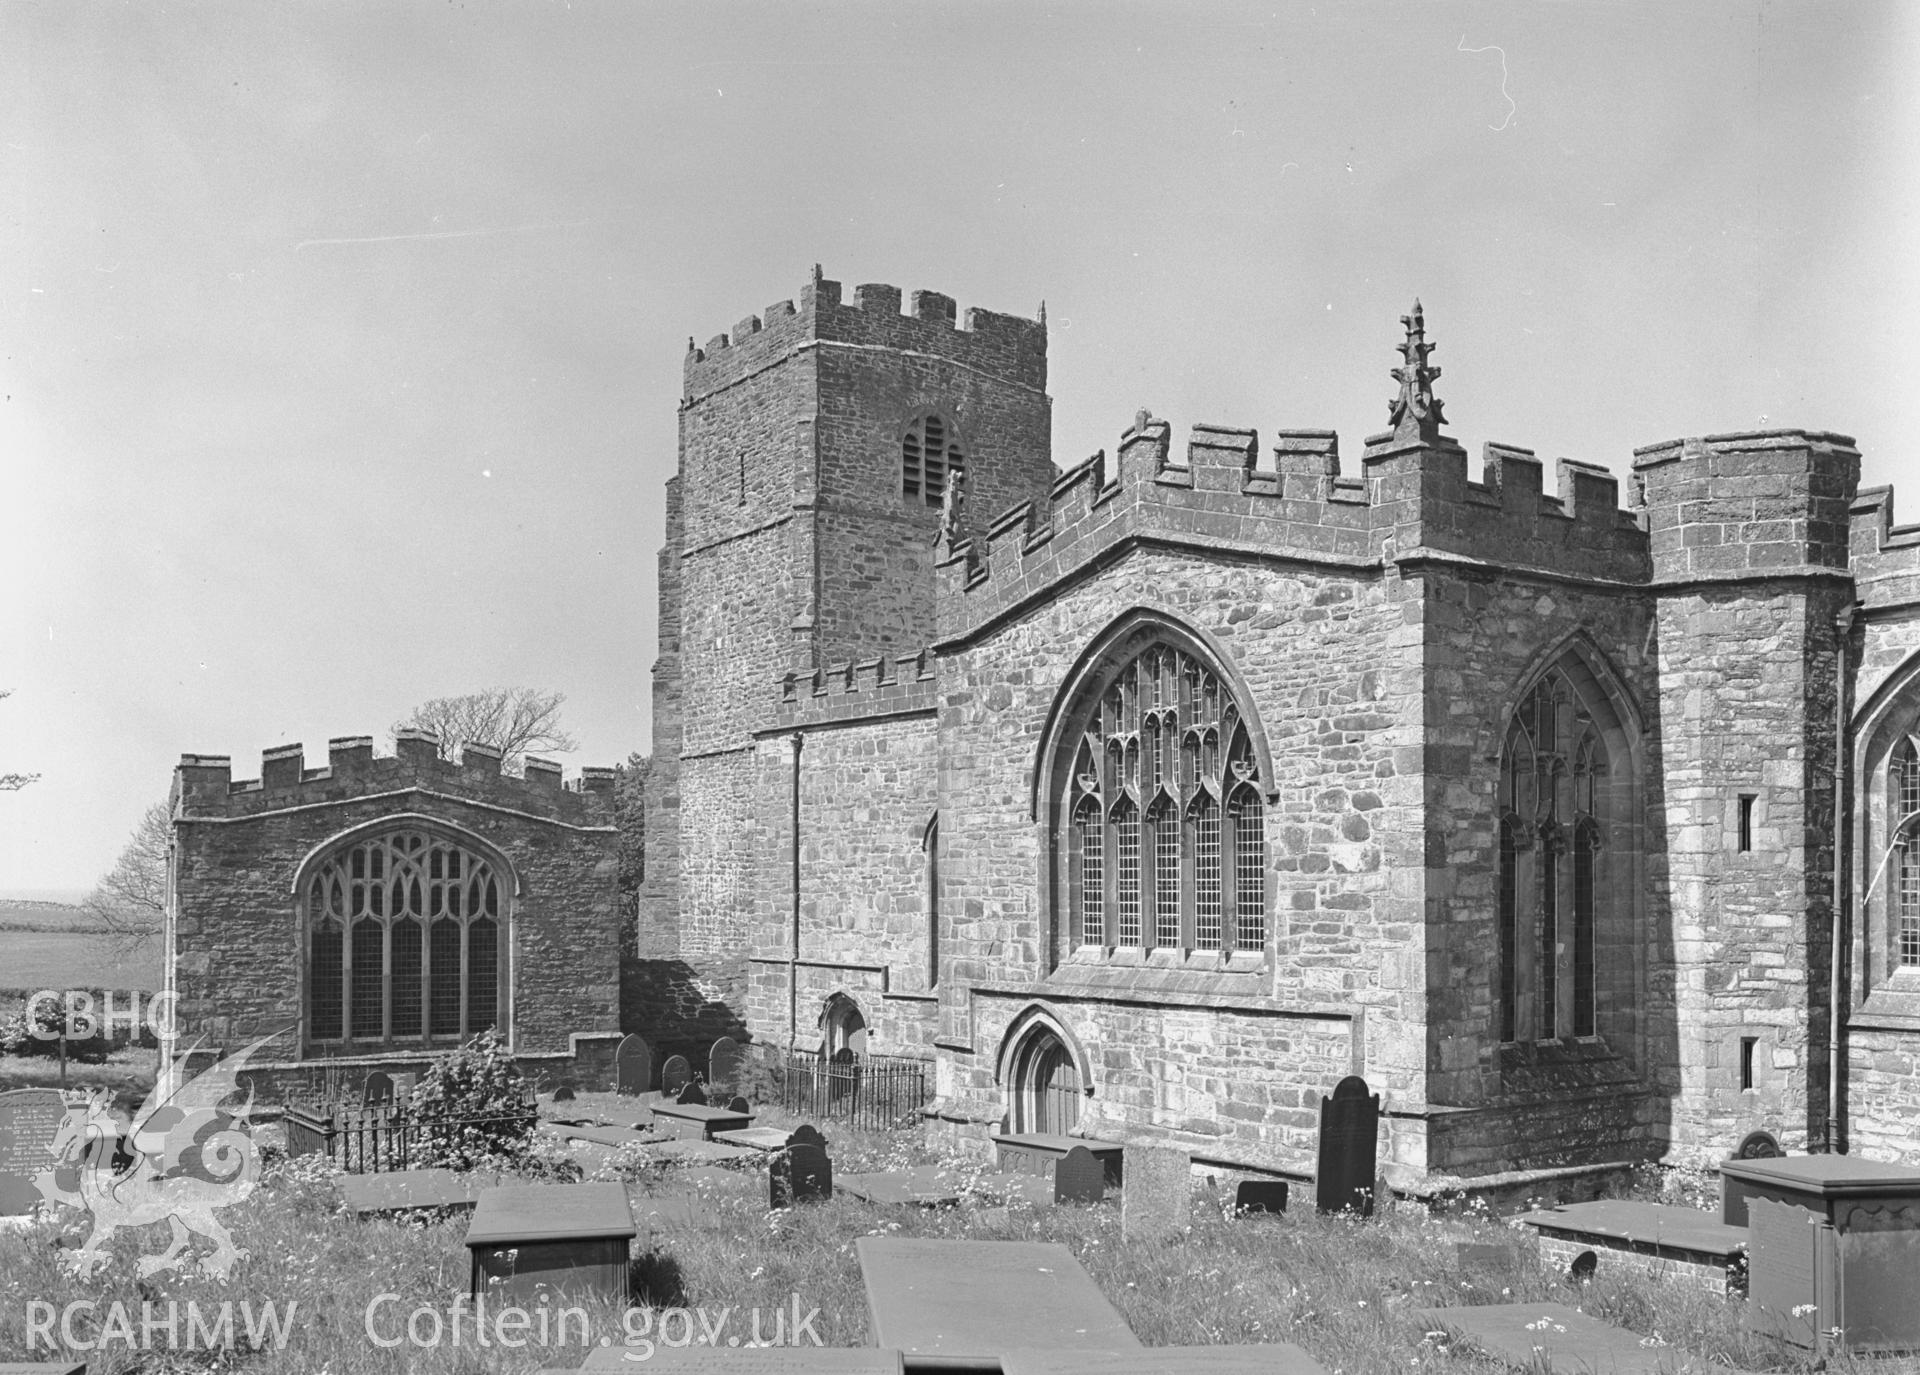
column 342, row 342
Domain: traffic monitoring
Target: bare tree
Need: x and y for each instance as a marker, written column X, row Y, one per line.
column 130, row 901
column 13, row 782
column 514, row 720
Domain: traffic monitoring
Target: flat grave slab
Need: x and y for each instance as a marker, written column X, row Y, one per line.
column 401, row 1190
column 925, row 1186
column 1553, row 1337
column 751, row 1360
column 1038, row 1153
column 755, row 1138
column 600, row 1136
column 558, row 1236
column 972, row 1300
column 697, row 1151
column 698, row 1121
column 43, row 1368
column 1277, row 1358
column 1667, row 1242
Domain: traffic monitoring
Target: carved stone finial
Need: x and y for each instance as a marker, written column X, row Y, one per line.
column 819, row 275
column 1043, row 312
column 1141, row 417
column 689, row 343
column 1415, row 414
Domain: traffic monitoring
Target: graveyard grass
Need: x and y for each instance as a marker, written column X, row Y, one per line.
column 1344, row 1290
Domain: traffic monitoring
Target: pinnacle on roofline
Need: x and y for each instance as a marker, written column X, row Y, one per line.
column 1415, row 414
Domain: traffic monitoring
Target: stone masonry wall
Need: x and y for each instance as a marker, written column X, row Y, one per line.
column 1331, row 667
column 238, row 932
column 1749, row 538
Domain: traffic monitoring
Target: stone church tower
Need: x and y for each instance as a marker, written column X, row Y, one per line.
column 821, row 450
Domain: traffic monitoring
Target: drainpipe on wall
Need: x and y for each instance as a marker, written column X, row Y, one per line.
column 1843, row 626
column 793, row 936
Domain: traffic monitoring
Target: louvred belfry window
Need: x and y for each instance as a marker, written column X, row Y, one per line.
column 1166, row 842
column 930, row 459
column 404, row 942
column 1552, row 857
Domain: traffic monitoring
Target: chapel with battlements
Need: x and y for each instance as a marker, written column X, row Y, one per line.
column 1150, row 796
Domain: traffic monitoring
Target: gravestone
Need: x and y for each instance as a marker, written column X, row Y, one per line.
column 691, row 1092
column 632, row 1066
column 529, row 1238
column 1260, row 1196
column 1349, row 1139
column 377, row 1092
column 697, row 1359
column 801, row 1173
column 563, row 1094
column 1079, row 1177
column 924, row 1186
column 29, row 1121
column 724, row 1063
column 1553, row 1339
column 1275, row 1358
column 738, row 1103
column 755, row 1138
column 971, row 1301
column 842, row 1073
column 675, row 1074
column 1759, row 1146
column 1157, row 1199
column 403, row 1085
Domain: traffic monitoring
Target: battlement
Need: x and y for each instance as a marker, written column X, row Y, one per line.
column 880, row 686
column 1757, row 502
column 1294, row 503
column 1006, row 346
column 1886, row 556
column 204, row 784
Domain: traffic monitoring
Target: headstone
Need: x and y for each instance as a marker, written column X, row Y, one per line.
column 403, row 1085
column 1553, row 1339
column 632, row 1066
column 1349, row 1139
column 801, row 1173
column 1079, row 1177
column 378, row 1090
column 809, row 1134
column 563, row 1094
column 1260, row 1196
column 724, row 1064
column 29, row 1121
column 1759, row 1146
column 1157, row 1199
column 737, row 1103
column 691, row 1092
column 973, row 1300
column 675, row 1074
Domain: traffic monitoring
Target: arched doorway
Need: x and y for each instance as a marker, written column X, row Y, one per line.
column 843, row 1027
column 1046, row 1088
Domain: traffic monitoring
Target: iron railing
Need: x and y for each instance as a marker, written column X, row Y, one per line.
column 378, row 1139
column 875, row 1092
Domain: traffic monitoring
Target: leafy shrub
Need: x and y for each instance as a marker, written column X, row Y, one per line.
column 470, row 1109
column 17, row 1038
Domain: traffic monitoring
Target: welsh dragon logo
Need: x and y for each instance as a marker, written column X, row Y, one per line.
column 189, row 1156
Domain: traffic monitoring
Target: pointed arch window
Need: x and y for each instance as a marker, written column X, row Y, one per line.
column 1553, row 858
column 930, row 459
column 1164, row 841
column 404, row 941
column 1903, row 811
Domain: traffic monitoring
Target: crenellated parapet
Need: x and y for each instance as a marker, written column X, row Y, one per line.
column 204, row 785
column 881, row 686
column 1293, row 503
column 1765, row 503
column 1886, row 556
column 1004, row 346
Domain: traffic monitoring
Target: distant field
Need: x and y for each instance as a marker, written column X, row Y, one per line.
column 19, row 915
column 31, row 960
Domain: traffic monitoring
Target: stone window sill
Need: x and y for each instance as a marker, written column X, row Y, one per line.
column 1186, row 961
column 1895, row 1005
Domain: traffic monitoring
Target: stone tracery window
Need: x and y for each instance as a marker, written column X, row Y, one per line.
column 403, row 932
column 1903, row 815
column 1552, row 864
column 930, row 458
column 1149, row 863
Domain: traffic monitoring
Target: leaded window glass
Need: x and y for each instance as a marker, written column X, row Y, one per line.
column 1904, row 803
column 1164, row 756
column 404, row 943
